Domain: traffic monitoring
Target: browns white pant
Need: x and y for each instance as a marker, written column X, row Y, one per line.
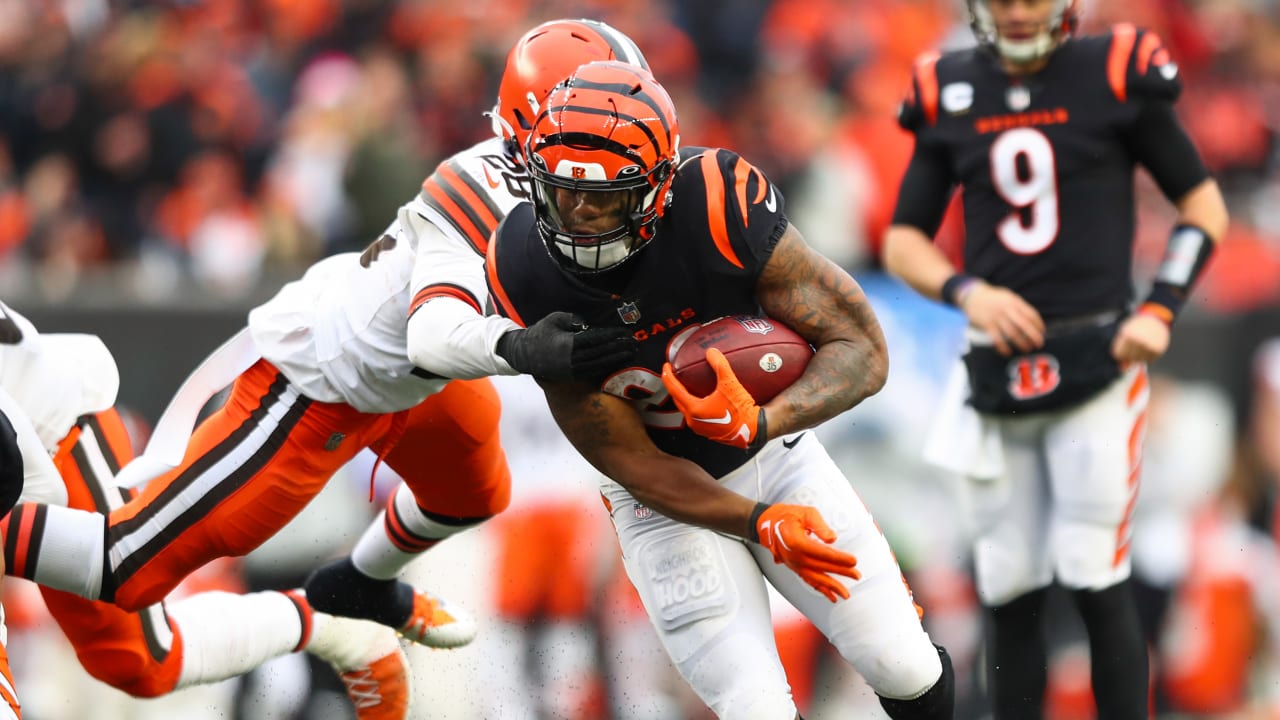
column 260, row 458
column 1062, row 507
column 705, row 593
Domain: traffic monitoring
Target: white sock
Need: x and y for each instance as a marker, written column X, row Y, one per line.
column 376, row 556
column 389, row 544
column 69, row 552
column 226, row 634
column 347, row 643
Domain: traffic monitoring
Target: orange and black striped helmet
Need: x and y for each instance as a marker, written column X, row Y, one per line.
column 543, row 57
column 602, row 150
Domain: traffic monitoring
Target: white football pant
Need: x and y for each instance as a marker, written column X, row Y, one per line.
column 705, row 593
column 1062, row 506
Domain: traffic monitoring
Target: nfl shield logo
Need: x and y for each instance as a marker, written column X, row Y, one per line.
column 1018, row 97
column 642, row 512
column 629, row 313
column 756, row 325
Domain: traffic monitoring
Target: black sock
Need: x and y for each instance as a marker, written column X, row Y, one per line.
column 340, row 589
column 938, row 703
column 1117, row 651
column 1017, row 662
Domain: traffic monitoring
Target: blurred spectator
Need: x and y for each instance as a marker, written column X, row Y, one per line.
column 387, row 163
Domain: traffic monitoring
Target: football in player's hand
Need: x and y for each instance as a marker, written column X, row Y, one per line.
column 766, row 355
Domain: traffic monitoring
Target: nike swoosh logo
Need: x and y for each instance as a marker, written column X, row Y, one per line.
column 716, row 421
column 788, row 444
column 489, row 178
column 771, row 202
column 777, row 533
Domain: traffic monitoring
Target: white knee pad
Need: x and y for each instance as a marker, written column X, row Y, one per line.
column 902, row 668
column 1006, row 570
column 1086, row 556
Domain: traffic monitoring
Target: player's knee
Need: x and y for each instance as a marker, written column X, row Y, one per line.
column 902, row 667
column 1087, row 556
column 127, row 670
column 935, row 703
column 483, row 489
column 1005, row 572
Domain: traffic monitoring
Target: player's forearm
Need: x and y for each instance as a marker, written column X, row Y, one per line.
column 449, row 338
column 910, row 255
column 684, row 492
column 1205, row 208
column 840, row 375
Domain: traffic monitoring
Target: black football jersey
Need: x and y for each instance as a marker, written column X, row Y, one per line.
column 706, row 255
column 1047, row 163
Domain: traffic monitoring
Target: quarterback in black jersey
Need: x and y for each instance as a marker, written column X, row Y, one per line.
column 626, row 230
column 1043, row 131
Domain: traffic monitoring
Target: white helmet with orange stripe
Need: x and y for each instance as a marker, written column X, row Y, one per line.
column 1023, row 31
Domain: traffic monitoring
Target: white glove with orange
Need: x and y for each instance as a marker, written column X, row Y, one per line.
column 728, row 415
column 789, row 531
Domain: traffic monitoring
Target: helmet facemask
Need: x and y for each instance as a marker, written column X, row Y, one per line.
column 632, row 197
column 1060, row 24
column 602, row 158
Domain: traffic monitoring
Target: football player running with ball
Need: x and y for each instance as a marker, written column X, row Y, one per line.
column 1043, row 131
column 341, row 360
column 711, row 497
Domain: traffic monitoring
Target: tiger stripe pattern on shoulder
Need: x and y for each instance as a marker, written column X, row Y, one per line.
column 463, row 203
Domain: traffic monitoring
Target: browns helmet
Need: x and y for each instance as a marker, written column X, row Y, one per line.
column 607, row 138
column 543, row 57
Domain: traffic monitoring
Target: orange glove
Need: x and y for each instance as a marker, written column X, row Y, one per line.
column 728, row 415
column 786, row 530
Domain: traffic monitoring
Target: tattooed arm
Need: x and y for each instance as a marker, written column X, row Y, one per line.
column 819, row 300
column 608, row 432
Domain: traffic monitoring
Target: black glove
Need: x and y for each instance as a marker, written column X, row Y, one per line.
column 559, row 347
column 11, row 468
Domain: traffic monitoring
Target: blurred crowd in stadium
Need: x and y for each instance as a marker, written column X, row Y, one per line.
column 223, row 144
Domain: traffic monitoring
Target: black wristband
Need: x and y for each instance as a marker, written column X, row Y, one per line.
column 952, row 286
column 753, row 531
column 762, row 431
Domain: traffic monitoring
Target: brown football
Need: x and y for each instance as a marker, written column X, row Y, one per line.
column 766, row 355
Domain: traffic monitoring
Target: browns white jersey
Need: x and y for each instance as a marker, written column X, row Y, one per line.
column 340, row 333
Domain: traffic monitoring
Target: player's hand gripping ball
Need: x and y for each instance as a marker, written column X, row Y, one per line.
column 720, row 373
column 765, row 355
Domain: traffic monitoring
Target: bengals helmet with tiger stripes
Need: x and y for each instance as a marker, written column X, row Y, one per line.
column 543, row 57
column 607, row 138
